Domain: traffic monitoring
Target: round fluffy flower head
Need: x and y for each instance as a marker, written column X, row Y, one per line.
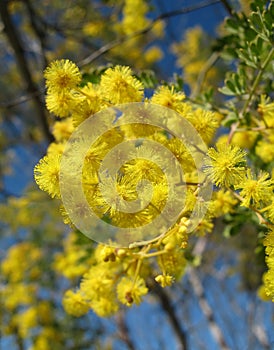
column 26, row 320
column 255, row 191
column 269, row 243
column 129, row 292
column 170, row 98
column 205, row 122
column 62, row 129
column 119, row 85
column 46, row 174
column 74, row 304
column 223, row 202
column 266, row 108
column 62, row 75
column 227, row 165
column 270, row 211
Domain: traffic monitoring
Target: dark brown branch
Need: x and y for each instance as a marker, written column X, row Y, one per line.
column 123, row 331
column 6, row 194
column 207, row 310
column 227, row 7
column 19, row 340
column 21, row 99
column 38, row 30
column 164, row 299
column 23, row 66
column 201, row 296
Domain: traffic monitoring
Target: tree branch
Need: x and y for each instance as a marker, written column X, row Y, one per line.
column 203, row 72
column 16, row 44
column 206, row 309
column 204, row 305
column 123, row 331
column 164, row 299
column 261, row 336
column 40, row 33
column 227, row 7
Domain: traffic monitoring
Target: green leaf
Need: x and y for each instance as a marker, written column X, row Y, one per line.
column 226, row 91
column 148, row 78
column 230, row 85
column 246, row 58
column 93, row 76
column 231, row 230
column 232, row 26
column 258, row 4
column 256, row 22
column 230, row 119
column 178, row 83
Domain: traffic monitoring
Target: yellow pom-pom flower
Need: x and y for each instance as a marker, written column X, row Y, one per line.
column 27, row 320
column 61, row 104
column 120, row 86
column 265, row 148
column 205, row 122
column 153, row 54
column 170, row 98
column 46, row 174
column 63, row 129
column 62, row 75
column 255, row 191
column 268, row 278
column 74, row 304
column 226, row 166
column 130, row 292
column 222, row 203
column 266, row 109
column 261, row 292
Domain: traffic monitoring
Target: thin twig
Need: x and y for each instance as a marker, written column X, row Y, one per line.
column 89, row 59
column 123, row 333
column 227, row 7
column 38, row 30
column 21, row 99
column 201, row 296
column 202, row 74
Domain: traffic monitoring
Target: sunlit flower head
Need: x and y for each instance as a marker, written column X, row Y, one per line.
column 46, row 174
column 120, row 86
column 205, row 122
column 62, row 129
column 170, row 98
column 129, row 292
column 222, row 203
column 74, row 303
column 62, row 75
column 266, row 109
column 227, row 165
column 61, row 104
column 255, row 190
